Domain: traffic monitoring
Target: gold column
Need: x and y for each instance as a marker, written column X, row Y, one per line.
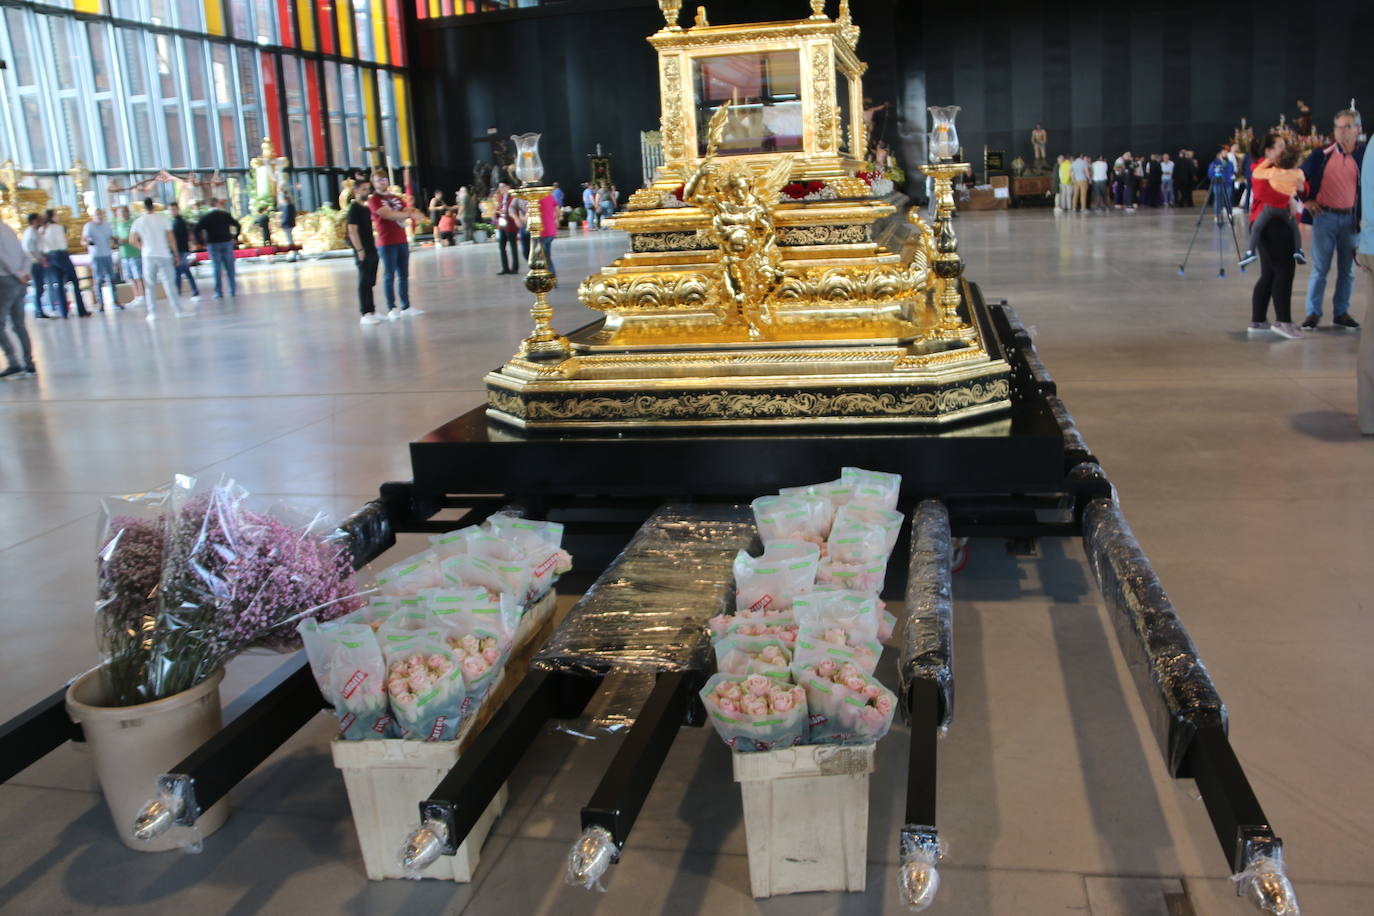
column 544, row 343
column 947, row 266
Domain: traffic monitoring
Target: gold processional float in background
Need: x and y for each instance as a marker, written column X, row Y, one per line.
column 738, row 304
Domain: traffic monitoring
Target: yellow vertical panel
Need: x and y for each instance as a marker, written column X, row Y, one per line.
column 379, row 42
column 434, row 9
column 402, row 115
column 87, row 6
column 344, row 11
column 214, row 17
column 374, row 124
column 305, row 16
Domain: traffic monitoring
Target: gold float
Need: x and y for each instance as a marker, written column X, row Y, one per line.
column 753, row 291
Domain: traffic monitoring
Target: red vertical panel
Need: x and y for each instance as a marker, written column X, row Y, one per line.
column 315, row 108
column 325, row 23
column 421, row 9
column 272, row 100
column 395, row 26
column 286, row 23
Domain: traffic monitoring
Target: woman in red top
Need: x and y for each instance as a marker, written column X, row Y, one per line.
column 1275, row 246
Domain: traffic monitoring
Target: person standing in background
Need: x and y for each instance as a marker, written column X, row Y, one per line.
column 1101, row 196
column 1166, row 187
column 364, row 246
column 548, row 229
column 60, row 269
column 286, row 205
column 436, row 210
column 507, row 230
column 152, row 233
column 181, row 257
column 264, row 224
column 218, row 230
column 558, row 196
column 1063, row 172
column 1185, row 178
column 15, row 265
column 130, row 263
column 1078, row 169
column 1364, row 367
column 32, row 243
column 99, row 240
column 467, row 206
column 390, row 213
column 1332, row 208
column 589, row 204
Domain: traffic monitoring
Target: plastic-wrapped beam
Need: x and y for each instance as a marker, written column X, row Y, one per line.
column 648, row 610
column 1264, row 879
column 368, row 533
column 928, row 636
column 1074, row 445
column 919, row 879
column 1174, row 684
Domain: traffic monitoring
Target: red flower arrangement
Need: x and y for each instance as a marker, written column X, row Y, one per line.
column 799, row 189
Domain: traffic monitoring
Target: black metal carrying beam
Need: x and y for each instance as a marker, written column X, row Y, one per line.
column 35, row 733
column 620, row 795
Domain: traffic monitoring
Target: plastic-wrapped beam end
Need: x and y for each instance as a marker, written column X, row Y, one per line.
column 422, row 848
column 920, row 880
column 1174, row 684
column 928, row 637
column 1264, row 881
column 175, row 806
column 367, row 533
column 591, row 855
column 648, row 611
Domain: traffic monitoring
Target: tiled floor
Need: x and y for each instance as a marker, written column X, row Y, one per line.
column 1237, row 462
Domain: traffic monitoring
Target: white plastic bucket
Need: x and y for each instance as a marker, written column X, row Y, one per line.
column 134, row 745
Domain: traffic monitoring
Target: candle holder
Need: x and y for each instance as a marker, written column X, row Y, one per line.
column 946, row 263
column 544, row 343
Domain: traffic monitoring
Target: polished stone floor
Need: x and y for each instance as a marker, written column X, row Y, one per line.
column 1237, row 462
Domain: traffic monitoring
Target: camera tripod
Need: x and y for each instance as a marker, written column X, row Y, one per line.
column 1220, row 189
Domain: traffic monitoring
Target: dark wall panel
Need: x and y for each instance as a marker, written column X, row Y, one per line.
column 1158, row 76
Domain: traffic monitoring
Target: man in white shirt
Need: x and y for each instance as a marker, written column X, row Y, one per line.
column 15, row 265
column 152, row 233
column 59, row 270
column 1078, row 168
column 1099, row 176
column 1167, row 188
column 32, row 243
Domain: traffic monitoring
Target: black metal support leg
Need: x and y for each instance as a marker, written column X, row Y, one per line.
column 619, row 797
column 37, row 731
column 924, row 702
column 1231, row 803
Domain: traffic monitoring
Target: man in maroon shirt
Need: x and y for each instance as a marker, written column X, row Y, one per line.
column 389, row 215
column 1333, row 209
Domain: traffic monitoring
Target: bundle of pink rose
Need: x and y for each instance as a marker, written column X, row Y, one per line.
column 756, row 712
column 846, row 705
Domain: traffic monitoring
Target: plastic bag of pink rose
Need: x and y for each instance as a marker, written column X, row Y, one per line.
column 888, row 520
column 425, row 686
column 543, row 544
column 511, row 576
column 845, row 706
column 872, row 488
column 860, row 613
column 856, row 544
column 816, row 644
column 756, row 713
column 469, row 608
column 766, row 655
column 856, row 576
column 770, row 582
column 792, row 518
column 782, row 627
column 353, row 674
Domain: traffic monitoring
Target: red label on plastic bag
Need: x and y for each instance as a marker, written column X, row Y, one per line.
column 761, row 603
column 353, row 684
column 546, row 565
column 437, row 731
column 818, row 719
column 346, row 723
column 381, row 724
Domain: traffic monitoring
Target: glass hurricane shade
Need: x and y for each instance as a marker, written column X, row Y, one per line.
column 529, row 168
column 944, row 139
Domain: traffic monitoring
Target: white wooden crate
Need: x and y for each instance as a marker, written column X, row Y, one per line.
column 806, row 817
column 386, row 780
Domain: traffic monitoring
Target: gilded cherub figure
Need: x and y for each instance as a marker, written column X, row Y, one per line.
column 740, row 205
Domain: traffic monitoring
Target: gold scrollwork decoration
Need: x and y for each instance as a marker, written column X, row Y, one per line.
column 673, row 145
column 631, row 293
column 671, row 241
column 823, row 235
column 823, row 87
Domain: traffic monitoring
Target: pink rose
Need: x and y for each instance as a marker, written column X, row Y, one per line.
column 854, row 682
column 883, row 703
column 720, row 623
column 782, row 702
column 789, row 634
column 491, row 656
column 835, row 635
column 848, row 670
column 419, row 681
column 730, row 689
column 472, row 645
column 396, row 687
column 727, row 705
column 405, row 699
column 489, row 642
column 757, row 685
column 872, row 690
column 826, row 668
column 434, row 660
column 442, row 666
column 755, row 706
column 474, row 666
column 871, row 717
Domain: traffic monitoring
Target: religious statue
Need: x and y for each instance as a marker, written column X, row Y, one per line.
column 269, row 171
column 740, row 206
column 1038, row 140
column 1304, row 119
column 480, row 185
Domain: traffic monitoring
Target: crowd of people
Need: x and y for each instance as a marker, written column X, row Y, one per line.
column 1083, row 183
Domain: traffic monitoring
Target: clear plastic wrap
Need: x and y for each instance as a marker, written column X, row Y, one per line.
column 872, row 488
column 782, row 627
column 793, row 518
column 756, row 713
column 860, row 516
column 425, row 686
column 860, row 576
column 928, row 635
column 589, row 858
column 922, row 849
column 770, row 582
column 1264, row 879
column 817, row 644
column 354, row 679
column 1174, row 684
column 411, row 575
column 422, row 848
column 649, row 609
column 831, row 606
column 367, row 533
column 766, row 655
column 174, row 806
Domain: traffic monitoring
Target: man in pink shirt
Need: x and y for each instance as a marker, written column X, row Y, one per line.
column 1333, row 209
column 389, row 215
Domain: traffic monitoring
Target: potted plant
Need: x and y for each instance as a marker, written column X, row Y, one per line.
column 483, row 231
column 187, row 579
column 577, row 217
